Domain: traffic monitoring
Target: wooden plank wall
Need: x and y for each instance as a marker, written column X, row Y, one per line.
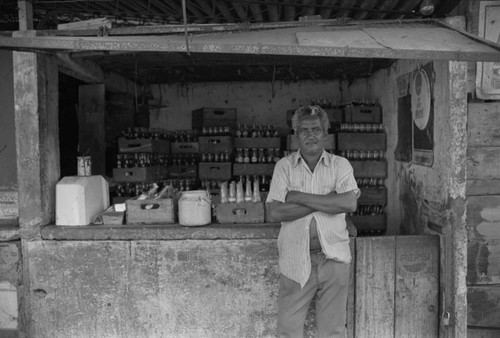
column 396, row 287
column 483, row 219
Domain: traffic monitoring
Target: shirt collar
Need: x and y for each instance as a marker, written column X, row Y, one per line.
column 325, row 158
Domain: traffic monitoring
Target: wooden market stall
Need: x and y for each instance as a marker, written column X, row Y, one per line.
column 220, row 280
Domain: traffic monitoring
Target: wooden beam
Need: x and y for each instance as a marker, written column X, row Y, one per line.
column 273, row 43
column 90, row 72
column 25, row 10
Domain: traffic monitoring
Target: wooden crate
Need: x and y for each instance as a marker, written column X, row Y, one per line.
column 185, row 147
column 253, row 169
column 215, row 170
column 246, row 212
column 369, row 222
column 213, row 117
column 143, row 145
column 361, row 141
column 215, row 144
column 139, row 174
column 369, row 168
column 150, row 211
column 375, row 196
column 363, row 114
column 257, row 142
column 178, row 171
column 293, row 142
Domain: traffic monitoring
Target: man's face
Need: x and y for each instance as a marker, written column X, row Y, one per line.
column 310, row 135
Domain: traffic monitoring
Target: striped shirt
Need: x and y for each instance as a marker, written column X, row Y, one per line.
column 332, row 173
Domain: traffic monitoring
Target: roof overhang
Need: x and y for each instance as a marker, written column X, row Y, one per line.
column 432, row 40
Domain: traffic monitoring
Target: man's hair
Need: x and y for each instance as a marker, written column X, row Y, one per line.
column 308, row 112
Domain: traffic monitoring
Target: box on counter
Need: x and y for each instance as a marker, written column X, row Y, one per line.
column 361, row 141
column 363, row 114
column 213, row 117
column 215, row 144
column 110, row 217
column 150, row 211
column 143, row 145
column 246, row 212
column 185, row 147
column 139, row 174
column 257, row 142
column 293, row 142
column 215, row 170
column 253, row 169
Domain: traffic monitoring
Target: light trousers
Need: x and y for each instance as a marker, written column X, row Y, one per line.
column 329, row 281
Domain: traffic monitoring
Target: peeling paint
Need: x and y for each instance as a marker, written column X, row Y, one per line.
column 489, row 229
column 491, row 214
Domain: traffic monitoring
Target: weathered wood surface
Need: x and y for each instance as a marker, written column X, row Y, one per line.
column 294, row 41
column 483, row 124
column 37, row 137
column 92, row 124
column 483, row 333
column 483, row 163
column 351, row 305
column 483, row 306
column 483, row 227
column 483, row 187
column 417, row 286
column 375, row 268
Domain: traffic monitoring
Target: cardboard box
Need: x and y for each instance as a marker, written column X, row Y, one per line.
column 140, row 174
column 213, row 117
column 150, row 211
column 215, row 170
column 143, row 145
column 246, row 212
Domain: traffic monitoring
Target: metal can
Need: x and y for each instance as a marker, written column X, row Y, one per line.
column 84, row 166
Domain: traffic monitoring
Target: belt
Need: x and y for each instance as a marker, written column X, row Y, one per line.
column 315, row 251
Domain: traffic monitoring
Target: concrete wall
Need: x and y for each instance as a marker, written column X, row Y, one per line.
column 256, row 102
column 417, row 194
column 8, row 167
column 184, row 288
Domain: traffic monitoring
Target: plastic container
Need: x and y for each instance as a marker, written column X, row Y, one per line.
column 80, row 198
column 195, row 208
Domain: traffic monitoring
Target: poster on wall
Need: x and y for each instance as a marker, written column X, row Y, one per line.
column 403, row 150
column 488, row 73
column 422, row 110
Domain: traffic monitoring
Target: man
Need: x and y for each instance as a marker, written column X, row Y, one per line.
column 310, row 193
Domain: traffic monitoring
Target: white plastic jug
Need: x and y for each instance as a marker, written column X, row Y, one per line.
column 80, row 198
column 195, row 208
